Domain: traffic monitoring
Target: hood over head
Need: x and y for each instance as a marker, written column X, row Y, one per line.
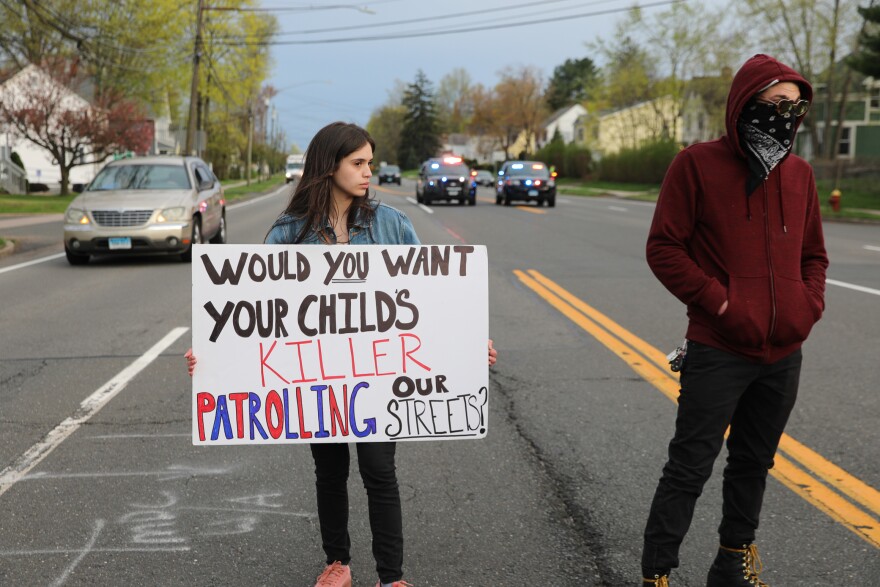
column 756, row 75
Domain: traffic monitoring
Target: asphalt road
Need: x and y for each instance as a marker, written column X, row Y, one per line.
column 556, row 494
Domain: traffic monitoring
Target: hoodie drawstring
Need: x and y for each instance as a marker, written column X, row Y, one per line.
column 781, row 200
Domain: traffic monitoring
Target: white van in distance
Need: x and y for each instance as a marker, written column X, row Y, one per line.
column 294, row 169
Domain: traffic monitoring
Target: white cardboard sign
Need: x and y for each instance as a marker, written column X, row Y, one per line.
column 301, row 344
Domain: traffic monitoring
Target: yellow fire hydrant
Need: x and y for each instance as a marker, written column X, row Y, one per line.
column 834, row 200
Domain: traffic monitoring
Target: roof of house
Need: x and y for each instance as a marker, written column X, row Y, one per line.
column 559, row 113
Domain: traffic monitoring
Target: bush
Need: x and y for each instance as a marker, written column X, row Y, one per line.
column 15, row 158
column 572, row 160
column 646, row 164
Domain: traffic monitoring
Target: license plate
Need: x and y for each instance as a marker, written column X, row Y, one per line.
column 533, row 192
column 122, row 242
column 453, row 191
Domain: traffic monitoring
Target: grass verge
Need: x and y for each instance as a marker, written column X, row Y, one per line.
column 854, row 192
column 19, row 204
column 242, row 191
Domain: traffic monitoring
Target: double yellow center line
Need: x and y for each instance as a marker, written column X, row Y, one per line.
column 845, row 498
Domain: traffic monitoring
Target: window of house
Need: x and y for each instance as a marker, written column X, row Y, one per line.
column 875, row 98
column 843, row 148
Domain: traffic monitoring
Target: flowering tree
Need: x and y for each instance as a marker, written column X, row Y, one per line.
column 40, row 107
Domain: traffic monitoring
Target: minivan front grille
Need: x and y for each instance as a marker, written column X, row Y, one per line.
column 123, row 218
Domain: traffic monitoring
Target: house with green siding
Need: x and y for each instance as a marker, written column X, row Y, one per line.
column 860, row 136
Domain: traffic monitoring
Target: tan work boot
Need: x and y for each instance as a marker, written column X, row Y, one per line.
column 736, row 567
column 657, row 581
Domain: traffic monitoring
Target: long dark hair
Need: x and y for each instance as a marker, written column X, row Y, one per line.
column 312, row 200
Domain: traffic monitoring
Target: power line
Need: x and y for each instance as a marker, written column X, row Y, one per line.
column 452, row 31
column 456, row 15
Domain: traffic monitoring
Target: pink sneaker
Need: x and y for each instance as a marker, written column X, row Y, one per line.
column 335, row 575
column 396, row 584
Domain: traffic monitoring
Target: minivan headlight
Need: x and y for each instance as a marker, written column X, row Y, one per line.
column 76, row 216
column 172, row 214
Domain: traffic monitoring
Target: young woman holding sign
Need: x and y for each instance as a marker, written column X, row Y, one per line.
column 331, row 205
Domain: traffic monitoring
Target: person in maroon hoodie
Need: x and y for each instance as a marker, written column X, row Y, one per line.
column 737, row 237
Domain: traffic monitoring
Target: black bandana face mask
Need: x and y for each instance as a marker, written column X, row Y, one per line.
column 766, row 136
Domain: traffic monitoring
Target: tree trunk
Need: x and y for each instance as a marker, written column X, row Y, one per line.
column 829, row 147
column 65, row 179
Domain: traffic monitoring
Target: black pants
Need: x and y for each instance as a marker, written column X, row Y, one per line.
column 376, row 464
column 720, row 389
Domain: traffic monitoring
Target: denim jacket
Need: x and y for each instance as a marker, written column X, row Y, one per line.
column 389, row 226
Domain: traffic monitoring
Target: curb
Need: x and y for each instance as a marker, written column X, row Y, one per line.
column 7, row 249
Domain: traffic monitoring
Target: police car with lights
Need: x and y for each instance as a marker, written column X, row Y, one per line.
column 530, row 181
column 445, row 178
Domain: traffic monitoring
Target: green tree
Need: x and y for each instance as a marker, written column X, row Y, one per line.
column 808, row 35
column 629, row 78
column 520, row 105
column 136, row 50
column 867, row 58
column 384, row 126
column 684, row 41
column 454, row 101
column 419, row 136
column 571, row 83
column 26, row 37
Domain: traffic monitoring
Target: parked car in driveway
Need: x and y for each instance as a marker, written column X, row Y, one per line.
column 389, row 174
column 147, row 205
column 525, row 180
column 445, row 178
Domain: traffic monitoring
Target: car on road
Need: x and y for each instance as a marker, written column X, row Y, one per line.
column 483, row 177
column 530, row 181
column 445, row 178
column 146, row 205
column 293, row 169
column 389, row 174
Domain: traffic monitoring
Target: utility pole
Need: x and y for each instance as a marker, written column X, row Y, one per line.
column 194, row 89
column 250, row 141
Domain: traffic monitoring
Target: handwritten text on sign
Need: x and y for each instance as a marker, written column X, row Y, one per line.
column 339, row 344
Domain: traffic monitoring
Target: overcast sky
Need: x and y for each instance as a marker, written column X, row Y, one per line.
column 348, row 80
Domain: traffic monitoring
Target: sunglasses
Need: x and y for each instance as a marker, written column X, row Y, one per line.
column 785, row 107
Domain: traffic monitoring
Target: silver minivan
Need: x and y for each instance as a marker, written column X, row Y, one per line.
column 146, row 205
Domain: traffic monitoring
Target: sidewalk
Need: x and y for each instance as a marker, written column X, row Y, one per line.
column 17, row 220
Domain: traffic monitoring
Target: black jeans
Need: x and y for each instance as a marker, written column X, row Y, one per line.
column 720, row 389
column 376, row 464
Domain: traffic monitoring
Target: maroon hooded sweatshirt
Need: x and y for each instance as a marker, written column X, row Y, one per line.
column 763, row 253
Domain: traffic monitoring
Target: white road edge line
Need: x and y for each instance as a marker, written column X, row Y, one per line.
column 871, row 248
column 853, row 286
column 412, row 200
column 29, row 263
column 88, row 408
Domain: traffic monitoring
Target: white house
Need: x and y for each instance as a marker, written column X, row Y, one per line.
column 564, row 120
column 38, row 162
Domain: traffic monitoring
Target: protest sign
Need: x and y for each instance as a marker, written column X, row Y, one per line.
column 302, row 344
